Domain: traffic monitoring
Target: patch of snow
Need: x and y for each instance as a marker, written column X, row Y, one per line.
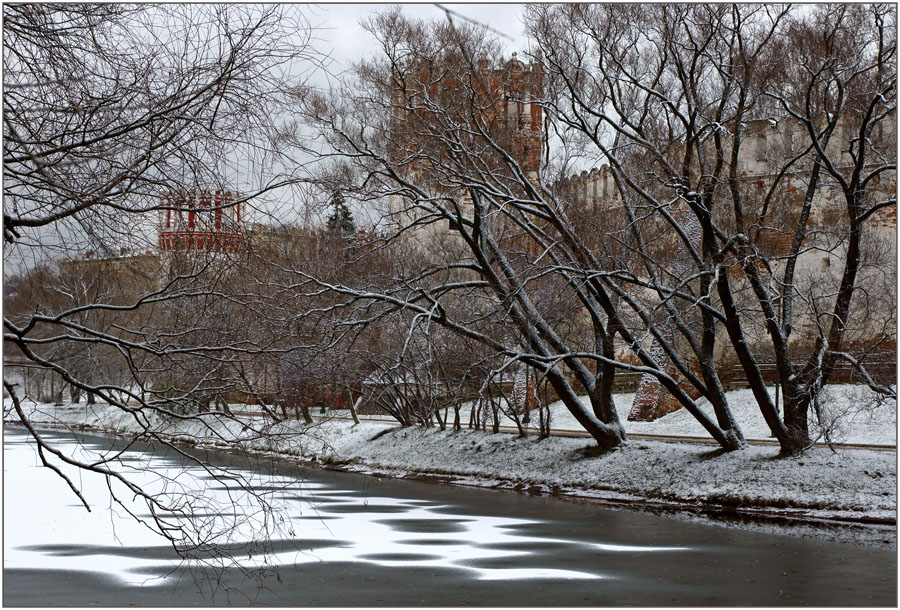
column 855, row 412
column 854, row 484
column 43, row 534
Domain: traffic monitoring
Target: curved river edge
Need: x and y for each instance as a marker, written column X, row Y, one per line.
column 848, row 496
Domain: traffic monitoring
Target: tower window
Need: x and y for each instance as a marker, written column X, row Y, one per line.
column 512, row 108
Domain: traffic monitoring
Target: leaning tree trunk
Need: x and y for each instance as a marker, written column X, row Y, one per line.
column 607, row 435
column 304, row 409
column 353, row 407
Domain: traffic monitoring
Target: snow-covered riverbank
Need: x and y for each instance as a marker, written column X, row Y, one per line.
column 853, row 485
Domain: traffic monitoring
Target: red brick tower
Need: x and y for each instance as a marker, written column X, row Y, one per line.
column 516, row 89
column 500, row 99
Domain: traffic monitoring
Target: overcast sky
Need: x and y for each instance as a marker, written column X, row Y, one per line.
column 341, row 34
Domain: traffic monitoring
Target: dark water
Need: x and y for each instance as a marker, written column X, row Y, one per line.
column 352, row 540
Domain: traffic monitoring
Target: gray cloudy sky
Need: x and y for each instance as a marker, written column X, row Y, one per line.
column 341, row 33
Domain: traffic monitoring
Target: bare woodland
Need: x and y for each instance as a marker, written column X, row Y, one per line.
column 106, row 108
column 664, row 96
column 486, row 277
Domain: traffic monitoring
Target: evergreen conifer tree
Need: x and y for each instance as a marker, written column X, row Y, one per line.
column 341, row 219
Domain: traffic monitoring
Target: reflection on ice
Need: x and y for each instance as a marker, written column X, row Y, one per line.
column 523, row 573
column 318, row 523
column 628, row 548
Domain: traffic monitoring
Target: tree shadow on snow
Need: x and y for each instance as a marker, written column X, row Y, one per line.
column 711, row 455
column 590, row 451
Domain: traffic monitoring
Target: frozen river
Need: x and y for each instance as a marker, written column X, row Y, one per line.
column 339, row 539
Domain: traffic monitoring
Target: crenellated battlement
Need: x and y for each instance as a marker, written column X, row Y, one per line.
column 201, row 220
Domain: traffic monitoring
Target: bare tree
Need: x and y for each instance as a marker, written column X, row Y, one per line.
column 710, row 117
column 461, row 159
column 106, row 109
column 667, row 268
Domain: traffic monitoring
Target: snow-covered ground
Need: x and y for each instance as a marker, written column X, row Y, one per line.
column 852, row 410
column 853, row 413
column 859, row 484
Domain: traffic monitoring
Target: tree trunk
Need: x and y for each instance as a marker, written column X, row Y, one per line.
column 608, row 435
column 43, row 394
column 749, row 366
column 56, row 389
column 796, row 420
column 353, row 407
